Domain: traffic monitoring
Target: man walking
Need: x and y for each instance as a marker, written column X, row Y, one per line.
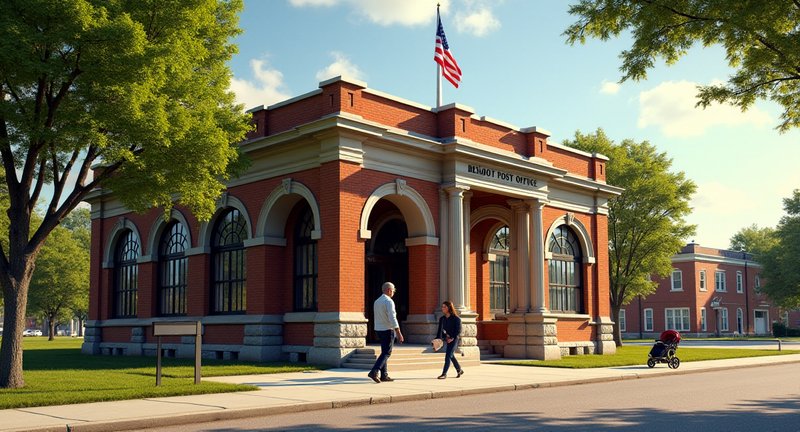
column 386, row 326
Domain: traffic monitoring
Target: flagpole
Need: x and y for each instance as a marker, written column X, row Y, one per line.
column 438, row 69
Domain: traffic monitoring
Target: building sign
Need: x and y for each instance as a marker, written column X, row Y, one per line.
column 511, row 178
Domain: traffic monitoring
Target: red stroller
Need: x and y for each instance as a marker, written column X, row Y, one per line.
column 664, row 350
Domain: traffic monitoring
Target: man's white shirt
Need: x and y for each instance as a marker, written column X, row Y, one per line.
column 385, row 315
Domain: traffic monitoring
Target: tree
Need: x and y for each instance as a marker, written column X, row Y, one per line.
column 646, row 224
column 61, row 278
column 759, row 37
column 79, row 222
column 781, row 269
column 138, row 88
column 754, row 240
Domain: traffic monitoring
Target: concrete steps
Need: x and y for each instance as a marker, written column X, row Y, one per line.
column 404, row 357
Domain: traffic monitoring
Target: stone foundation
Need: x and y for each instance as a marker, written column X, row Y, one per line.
column 336, row 335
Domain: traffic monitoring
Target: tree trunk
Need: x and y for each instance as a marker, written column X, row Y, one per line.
column 615, row 316
column 13, row 326
column 51, row 326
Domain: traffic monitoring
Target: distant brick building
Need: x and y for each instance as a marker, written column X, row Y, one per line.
column 709, row 292
column 350, row 187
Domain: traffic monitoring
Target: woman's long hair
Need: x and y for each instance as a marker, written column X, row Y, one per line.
column 450, row 307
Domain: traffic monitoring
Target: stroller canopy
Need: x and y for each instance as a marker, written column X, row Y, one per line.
column 670, row 336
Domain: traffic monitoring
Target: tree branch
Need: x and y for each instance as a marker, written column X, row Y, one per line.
column 37, row 187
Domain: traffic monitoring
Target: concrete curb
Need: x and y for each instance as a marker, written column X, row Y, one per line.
column 239, row 413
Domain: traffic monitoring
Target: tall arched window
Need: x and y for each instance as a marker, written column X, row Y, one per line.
column 228, row 263
column 566, row 287
column 498, row 272
column 172, row 270
column 126, row 275
column 305, row 264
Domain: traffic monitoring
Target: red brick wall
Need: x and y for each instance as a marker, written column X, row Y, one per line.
column 493, row 330
column 574, row 330
column 116, row 334
column 223, row 334
column 298, row 334
column 423, row 278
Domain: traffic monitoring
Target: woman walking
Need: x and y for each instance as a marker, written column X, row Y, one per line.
column 450, row 332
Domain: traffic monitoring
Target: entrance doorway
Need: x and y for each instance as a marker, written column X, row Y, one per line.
column 761, row 322
column 387, row 261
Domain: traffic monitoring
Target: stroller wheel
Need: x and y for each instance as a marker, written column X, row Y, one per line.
column 651, row 363
column 674, row 362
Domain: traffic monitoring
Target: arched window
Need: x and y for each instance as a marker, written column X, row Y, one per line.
column 498, row 271
column 305, row 264
column 126, row 275
column 228, row 263
column 172, row 270
column 566, row 286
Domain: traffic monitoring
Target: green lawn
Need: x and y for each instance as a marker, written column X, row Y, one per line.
column 56, row 373
column 628, row 355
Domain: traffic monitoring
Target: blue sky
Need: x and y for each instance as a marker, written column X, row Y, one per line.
column 518, row 68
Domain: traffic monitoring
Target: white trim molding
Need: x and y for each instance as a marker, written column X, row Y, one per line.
column 412, row 205
column 271, row 223
column 122, row 224
column 223, row 202
column 585, row 238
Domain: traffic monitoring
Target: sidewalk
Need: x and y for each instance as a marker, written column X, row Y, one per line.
column 333, row 388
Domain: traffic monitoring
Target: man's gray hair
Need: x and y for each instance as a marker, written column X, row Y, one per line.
column 388, row 286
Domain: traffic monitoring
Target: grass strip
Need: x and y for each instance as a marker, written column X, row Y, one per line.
column 630, row 355
column 56, row 373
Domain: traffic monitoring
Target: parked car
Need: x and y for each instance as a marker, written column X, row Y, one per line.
column 31, row 332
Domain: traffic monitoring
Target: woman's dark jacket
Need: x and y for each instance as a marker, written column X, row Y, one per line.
column 449, row 326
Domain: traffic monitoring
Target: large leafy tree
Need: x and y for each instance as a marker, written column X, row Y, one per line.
column 61, row 278
column 781, row 264
column 754, row 240
column 646, row 224
column 136, row 88
column 760, row 39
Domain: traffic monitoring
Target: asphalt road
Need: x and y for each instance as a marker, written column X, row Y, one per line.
column 745, row 399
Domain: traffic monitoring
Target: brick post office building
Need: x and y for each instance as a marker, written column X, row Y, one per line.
column 710, row 292
column 350, row 187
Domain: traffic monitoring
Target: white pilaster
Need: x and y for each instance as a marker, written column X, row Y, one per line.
column 536, row 263
column 522, row 273
column 455, row 273
column 466, row 217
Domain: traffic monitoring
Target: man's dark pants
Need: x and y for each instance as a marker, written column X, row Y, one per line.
column 387, row 342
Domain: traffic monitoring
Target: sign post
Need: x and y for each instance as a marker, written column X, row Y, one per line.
column 185, row 328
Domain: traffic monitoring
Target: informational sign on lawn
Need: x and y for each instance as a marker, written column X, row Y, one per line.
column 179, row 328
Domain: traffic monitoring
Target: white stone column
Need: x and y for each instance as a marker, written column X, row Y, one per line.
column 466, row 217
column 444, row 246
column 522, row 272
column 455, row 273
column 537, row 256
column 513, row 258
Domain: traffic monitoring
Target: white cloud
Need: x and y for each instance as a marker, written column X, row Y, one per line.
column 671, row 107
column 479, row 22
column 386, row 12
column 608, row 87
column 340, row 66
column 267, row 88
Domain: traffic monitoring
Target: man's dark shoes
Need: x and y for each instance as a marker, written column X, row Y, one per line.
column 461, row 372
column 374, row 377
column 442, row 376
column 387, row 379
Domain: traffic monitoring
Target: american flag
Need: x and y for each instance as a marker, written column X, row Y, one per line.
column 444, row 57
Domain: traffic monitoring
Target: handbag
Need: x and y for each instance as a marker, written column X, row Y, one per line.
column 437, row 344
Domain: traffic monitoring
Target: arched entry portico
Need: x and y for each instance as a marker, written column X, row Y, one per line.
column 397, row 215
column 386, row 261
